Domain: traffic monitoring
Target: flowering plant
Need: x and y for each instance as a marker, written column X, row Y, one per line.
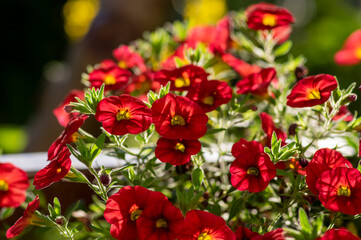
column 217, row 130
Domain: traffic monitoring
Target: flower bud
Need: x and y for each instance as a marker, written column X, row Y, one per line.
column 254, row 108
column 301, row 72
column 105, row 178
column 303, row 162
column 68, row 108
column 292, row 129
column 60, row 220
column 352, row 97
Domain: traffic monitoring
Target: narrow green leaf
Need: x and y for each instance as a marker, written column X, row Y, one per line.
column 97, row 147
column 215, row 130
column 197, row 177
column 283, row 49
column 57, row 206
column 6, row 213
column 359, row 166
column 70, row 210
column 304, row 222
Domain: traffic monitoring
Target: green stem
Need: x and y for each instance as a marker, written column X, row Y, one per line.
column 103, row 193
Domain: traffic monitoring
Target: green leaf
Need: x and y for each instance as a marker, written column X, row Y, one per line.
column 51, row 211
column 140, row 139
column 304, row 222
column 6, row 213
column 197, row 177
column 57, row 206
column 215, row 130
column 235, row 208
column 283, row 49
column 71, row 210
column 96, row 148
column 317, row 226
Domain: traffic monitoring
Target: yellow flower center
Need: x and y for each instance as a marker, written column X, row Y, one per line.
column 177, row 120
column 344, row 191
column 204, row 236
column 183, row 81
column 180, row 146
column 4, row 186
column 58, row 170
column 135, row 214
column 74, row 137
column 123, row 115
column 123, row 64
column 109, row 80
column 269, row 20
column 358, row 52
column 161, row 223
column 252, row 171
column 314, row 94
column 208, row 100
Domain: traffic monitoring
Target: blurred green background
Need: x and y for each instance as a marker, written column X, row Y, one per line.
column 35, row 35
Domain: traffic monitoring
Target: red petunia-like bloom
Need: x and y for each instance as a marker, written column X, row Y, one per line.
column 176, row 151
column 311, row 91
column 13, row 185
column 211, row 94
column 252, row 170
column 323, row 160
column 127, row 58
column 69, row 135
column 340, row 190
column 350, row 54
column 28, row 218
column 257, row 83
column 114, row 78
column 63, row 117
column 124, row 208
column 269, row 127
column 177, row 117
column 200, row 224
column 181, row 79
column 337, row 234
column 243, row 68
column 159, row 221
column 54, row 171
column 264, row 16
column 123, row 114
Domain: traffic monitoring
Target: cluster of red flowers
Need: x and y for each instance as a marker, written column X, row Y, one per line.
column 181, row 120
column 138, row 213
column 337, row 184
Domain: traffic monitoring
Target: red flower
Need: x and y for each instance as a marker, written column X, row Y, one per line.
column 268, row 127
column 277, row 234
column 114, row 78
column 243, row 233
column 176, row 151
column 282, row 33
column 337, row 234
column 54, row 171
column 311, row 91
column 29, row 218
column 350, row 54
column 264, row 16
column 123, row 114
column 159, row 221
column 124, row 208
column 59, row 112
column 13, row 185
column 242, row 68
column 257, row 83
column 340, row 190
column 177, row 117
column 127, row 58
column 211, row 94
column 69, row 135
column 323, row 160
column 343, row 114
column 200, row 224
column 252, row 170
column 181, row 79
